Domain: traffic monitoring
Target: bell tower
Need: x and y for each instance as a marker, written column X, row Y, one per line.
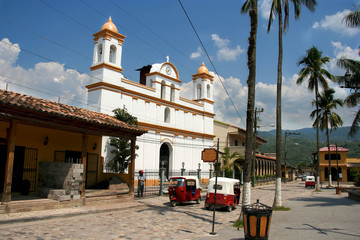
column 203, row 88
column 106, row 65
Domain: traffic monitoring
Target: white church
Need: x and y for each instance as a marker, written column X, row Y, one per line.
column 178, row 128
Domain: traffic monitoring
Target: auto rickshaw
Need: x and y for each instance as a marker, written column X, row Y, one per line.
column 183, row 189
column 227, row 193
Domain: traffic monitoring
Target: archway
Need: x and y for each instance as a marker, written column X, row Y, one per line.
column 165, row 158
column 334, row 174
column 326, row 173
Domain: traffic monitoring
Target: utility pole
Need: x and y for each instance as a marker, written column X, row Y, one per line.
column 257, row 110
column 286, row 134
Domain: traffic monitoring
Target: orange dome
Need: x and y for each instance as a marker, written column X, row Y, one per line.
column 109, row 25
column 203, row 69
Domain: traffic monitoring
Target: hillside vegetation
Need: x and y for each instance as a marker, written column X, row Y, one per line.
column 300, row 147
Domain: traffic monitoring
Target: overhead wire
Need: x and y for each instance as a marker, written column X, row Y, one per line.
column 78, row 22
column 212, row 64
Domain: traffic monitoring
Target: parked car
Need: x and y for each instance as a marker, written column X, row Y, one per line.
column 310, row 181
column 304, row 178
column 299, row 177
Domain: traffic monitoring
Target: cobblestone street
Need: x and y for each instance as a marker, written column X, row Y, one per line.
column 150, row 218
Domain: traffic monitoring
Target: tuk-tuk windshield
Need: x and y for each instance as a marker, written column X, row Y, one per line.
column 177, row 182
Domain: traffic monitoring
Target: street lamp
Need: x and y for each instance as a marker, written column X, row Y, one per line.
column 286, row 134
column 257, row 110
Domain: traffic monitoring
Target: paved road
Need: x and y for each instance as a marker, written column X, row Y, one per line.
column 154, row 218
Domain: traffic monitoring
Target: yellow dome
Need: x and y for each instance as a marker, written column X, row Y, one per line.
column 109, row 25
column 203, row 69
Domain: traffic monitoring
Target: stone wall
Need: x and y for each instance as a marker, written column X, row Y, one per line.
column 60, row 181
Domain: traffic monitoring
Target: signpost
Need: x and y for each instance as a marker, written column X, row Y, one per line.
column 210, row 155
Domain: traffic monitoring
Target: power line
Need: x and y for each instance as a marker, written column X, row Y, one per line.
column 212, row 64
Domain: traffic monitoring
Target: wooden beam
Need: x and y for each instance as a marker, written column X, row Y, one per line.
column 6, row 198
column 132, row 167
column 84, row 161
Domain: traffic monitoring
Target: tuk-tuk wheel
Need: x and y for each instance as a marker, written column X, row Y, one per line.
column 229, row 208
column 173, row 203
column 198, row 201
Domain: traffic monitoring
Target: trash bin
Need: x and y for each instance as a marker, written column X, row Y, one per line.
column 257, row 218
column 338, row 190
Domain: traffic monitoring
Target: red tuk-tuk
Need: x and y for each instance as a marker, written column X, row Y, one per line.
column 184, row 189
column 227, row 193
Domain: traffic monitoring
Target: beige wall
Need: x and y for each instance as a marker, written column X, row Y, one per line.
column 33, row 137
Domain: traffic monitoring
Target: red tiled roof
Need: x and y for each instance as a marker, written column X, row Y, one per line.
column 333, row 149
column 265, row 157
column 32, row 105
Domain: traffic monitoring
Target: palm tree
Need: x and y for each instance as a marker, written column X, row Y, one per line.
column 316, row 75
column 251, row 7
column 353, row 18
column 325, row 116
column 229, row 161
column 352, row 68
column 276, row 10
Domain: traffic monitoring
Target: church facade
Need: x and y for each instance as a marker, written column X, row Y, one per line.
column 178, row 128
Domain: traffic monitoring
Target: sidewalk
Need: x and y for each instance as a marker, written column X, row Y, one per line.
column 313, row 215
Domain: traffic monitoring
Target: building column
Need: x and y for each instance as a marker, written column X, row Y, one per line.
column 84, row 162
column 11, row 138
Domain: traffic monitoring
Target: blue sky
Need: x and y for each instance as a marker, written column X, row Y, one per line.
column 46, row 49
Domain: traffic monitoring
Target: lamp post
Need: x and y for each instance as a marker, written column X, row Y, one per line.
column 286, row 134
column 257, row 110
column 337, row 165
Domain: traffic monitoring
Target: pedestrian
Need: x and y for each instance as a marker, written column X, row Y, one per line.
column 141, row 183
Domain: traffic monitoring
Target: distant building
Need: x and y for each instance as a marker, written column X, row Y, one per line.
column 178, row 128
column 234, row 138
column 338, row 160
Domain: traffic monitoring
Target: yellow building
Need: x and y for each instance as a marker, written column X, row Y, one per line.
column 338, row 160
column 54, row 147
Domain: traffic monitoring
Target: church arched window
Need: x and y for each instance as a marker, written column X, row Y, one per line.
column 198, row 91
column 112, row 56
column 167, row 115
column 208, row 94
column 99, row 53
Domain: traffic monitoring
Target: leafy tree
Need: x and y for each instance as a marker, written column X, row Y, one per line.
column 277, row 10
column 326, row 116
column 121, row 146
column 316, row 75
column 353, row 18
column 229, row 161
column 250, row 6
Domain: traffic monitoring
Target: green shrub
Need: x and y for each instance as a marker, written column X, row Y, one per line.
column 357, row 181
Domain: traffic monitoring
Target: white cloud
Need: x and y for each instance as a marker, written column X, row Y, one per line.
column 225, row 53
column 264, row 8
column 48, row 80
column 8, row 52
column 335, row 23
column 340, row 51
column 296, row 102
column 220, row 42
column 196, row 54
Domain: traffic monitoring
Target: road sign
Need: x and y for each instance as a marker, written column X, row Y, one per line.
column 208, row 155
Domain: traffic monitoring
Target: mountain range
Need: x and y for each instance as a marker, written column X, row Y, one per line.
column 300, row 147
